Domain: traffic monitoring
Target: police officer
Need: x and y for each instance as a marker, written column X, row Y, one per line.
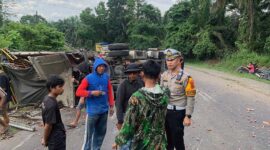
column 181, row 104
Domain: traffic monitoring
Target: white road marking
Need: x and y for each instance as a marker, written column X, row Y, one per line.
column 206, row 96
column 26, row 139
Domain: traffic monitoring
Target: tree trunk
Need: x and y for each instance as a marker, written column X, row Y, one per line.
column 222, row 41
column 251, row 19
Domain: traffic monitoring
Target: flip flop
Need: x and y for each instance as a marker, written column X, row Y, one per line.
column 71, row 126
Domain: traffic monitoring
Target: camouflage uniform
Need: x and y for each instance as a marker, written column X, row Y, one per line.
column 144, row 122
column 181, row 102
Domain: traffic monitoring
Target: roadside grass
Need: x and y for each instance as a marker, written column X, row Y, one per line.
column 223, row 67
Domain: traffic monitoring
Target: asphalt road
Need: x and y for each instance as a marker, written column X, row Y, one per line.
column 229, row 115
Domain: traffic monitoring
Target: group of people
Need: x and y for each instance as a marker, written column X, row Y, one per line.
column 151, row 110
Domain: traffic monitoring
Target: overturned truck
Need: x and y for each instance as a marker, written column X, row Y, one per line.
column 28, row 72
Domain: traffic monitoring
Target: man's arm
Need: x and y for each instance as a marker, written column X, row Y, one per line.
column 110, row 94
column 82, row 89
column 119, row 103
column 47, row 132
column 111, row 98
column 131, row 120
column 190, row 93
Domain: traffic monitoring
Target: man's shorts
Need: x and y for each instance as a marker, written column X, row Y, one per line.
column 80, row 106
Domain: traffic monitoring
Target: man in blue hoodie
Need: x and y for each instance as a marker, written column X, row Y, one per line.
column 98, row 91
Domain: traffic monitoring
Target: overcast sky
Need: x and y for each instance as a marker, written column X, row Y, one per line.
column 53, row 10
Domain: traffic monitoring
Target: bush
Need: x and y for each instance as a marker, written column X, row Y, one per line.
column 267, row 45
column 204, row 49
column 30, row 37
column 182, row 37
column 242, row 58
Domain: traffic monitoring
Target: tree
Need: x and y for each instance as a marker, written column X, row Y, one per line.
column 31, row 38
column 180, row 28
column 100, row 24
column 69, row 27
column 1, row 13
column 117, row 20
column 146, row 29
column 86, row 31
column 35, row 19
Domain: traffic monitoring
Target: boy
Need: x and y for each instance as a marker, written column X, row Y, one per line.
column 54, row 130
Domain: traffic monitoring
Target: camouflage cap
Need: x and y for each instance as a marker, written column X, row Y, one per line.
column 171, row 54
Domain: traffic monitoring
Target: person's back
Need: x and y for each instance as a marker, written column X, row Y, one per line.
column 144, row 123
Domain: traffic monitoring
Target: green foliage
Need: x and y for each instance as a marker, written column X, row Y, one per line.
column 242, row 58
column 145, row 35
column 267, row 45
column 30, row 38
column 204, row 48
column 1, row 13
column 182, row 37
column 35, row 19
column 69, row 27
column 117, row 20
column 178, row 13
column 146, row 30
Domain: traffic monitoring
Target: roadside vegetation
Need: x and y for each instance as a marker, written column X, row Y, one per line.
column 233, row 32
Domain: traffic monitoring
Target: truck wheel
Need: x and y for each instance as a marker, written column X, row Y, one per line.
column 118, row 53
column 118, row 46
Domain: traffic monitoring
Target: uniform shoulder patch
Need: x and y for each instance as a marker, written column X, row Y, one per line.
column 190, row 88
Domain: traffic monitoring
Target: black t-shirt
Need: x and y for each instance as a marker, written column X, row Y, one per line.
column 4, row 84
column 51, row 115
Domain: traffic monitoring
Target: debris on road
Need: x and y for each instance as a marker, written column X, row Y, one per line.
column 250, row 109
column 22, row 126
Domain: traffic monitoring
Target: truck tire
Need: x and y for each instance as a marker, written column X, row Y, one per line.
column 118, row 46
column 118, row 53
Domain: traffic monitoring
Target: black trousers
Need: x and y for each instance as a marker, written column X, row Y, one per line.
column 175, row 129
column 57, row 142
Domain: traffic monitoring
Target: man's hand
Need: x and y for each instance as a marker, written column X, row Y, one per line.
column 187, row 121
column 119, row 126
column 114, row 146
column 111, row 111
column 44, row 143
column 96, row 93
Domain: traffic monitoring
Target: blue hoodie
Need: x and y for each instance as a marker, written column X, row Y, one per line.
column 98, row 104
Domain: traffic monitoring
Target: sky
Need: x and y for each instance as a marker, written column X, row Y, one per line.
column 53, row 10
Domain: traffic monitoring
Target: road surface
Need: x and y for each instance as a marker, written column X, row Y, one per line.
column 229, row 115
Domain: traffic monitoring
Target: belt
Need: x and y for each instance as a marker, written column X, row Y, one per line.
column 173, row 107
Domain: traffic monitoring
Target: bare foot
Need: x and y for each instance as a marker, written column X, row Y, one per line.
column 72, row 125
column 4, row 130
column 114, row 146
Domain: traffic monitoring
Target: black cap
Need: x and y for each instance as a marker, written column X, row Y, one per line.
column 133, row 68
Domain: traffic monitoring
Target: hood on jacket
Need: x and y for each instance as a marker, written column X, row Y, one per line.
column 157, row 96
column 99, row 61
